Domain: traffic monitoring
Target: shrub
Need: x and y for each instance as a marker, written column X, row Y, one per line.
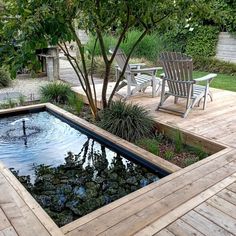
column 108, row 42
column 178, row 142
column 150, row 46
column 168, row 155
column 214, row 65
column 191, row 160
column 198, row 151
column 128, row 121
column 55, row 92
column 151, row 145
column 21, row 100
column 5, row 79
column 202, row 41
column 75, row 102
column 11, row 103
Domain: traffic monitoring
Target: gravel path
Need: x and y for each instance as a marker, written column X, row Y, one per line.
column 28, row 87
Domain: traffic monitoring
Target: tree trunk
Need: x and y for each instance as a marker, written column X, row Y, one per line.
column 105, row 84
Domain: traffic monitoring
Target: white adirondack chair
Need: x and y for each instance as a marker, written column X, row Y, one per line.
column 178, row 71
column 136, row 78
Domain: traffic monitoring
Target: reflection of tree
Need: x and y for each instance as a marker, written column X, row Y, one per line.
column 85, row 182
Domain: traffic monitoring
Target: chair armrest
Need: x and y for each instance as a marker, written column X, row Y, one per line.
column 205, row 78
column 152, row 69
column 136, row 65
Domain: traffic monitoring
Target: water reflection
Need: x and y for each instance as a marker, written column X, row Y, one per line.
column 66, row 184
column 85, row 182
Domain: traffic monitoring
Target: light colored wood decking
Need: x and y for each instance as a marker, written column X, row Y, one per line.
column 217, row 122
column 197, row 200
column 164, row 205
column 20, row 214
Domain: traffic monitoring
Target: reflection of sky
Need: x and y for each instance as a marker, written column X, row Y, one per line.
column 48, row 147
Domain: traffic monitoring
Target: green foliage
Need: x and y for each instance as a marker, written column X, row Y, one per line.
column 213, row 65
column 5, row 79
column 168, row 155
column 62, row 94
column 98, row 68
column 27, row 26
column 198, row 151
column 178, row 142
column 11, row 103
column 202, row 41
column 128, row 121
column 190, row 160
column 149, row 48
column 150, row 144
column 223, row 14
column 21, row 100
column 75, row 102
column 109, row 40
column 55, row 92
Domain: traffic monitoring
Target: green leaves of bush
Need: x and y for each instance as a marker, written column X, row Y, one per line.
column 5, row 79
column 55, row 92
column 128, row 121
column 62, row 94
column 202, row 41
column 213, row 65
column 150, row 46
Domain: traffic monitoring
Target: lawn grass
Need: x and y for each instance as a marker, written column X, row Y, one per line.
column 222, row 81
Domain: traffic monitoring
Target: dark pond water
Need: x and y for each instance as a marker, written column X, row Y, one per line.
column 67, row 172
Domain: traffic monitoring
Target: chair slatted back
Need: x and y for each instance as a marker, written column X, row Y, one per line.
column 121, row 58
column 178, row 69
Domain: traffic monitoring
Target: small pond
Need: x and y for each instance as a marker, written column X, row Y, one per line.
column 67, row 172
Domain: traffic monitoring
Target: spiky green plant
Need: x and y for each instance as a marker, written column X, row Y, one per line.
column 128, row 121
column 55, row 92
column 150, row 144
column 179, row 145
column 75, row 102
column 168, row 155
column 21, row 100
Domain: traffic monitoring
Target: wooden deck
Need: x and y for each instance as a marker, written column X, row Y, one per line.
column 20, row 214
column 197, row 200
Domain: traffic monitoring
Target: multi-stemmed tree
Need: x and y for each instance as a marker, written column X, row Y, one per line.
column 30, row 25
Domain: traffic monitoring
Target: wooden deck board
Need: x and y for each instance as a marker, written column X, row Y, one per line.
column 136, row 217
column 16, row 216
column 203, row 225
column 218, row 217
column 197, row 200
column 179, row 227
column 160, row 212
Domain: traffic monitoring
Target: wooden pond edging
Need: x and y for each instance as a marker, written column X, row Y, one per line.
column 189, row 138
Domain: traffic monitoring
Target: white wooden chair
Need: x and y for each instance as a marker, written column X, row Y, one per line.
column 136, row 78
column 178, row 72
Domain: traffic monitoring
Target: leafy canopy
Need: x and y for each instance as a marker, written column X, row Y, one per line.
column 28, row 25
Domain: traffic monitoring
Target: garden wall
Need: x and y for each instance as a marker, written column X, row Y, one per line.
column 226, row 47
